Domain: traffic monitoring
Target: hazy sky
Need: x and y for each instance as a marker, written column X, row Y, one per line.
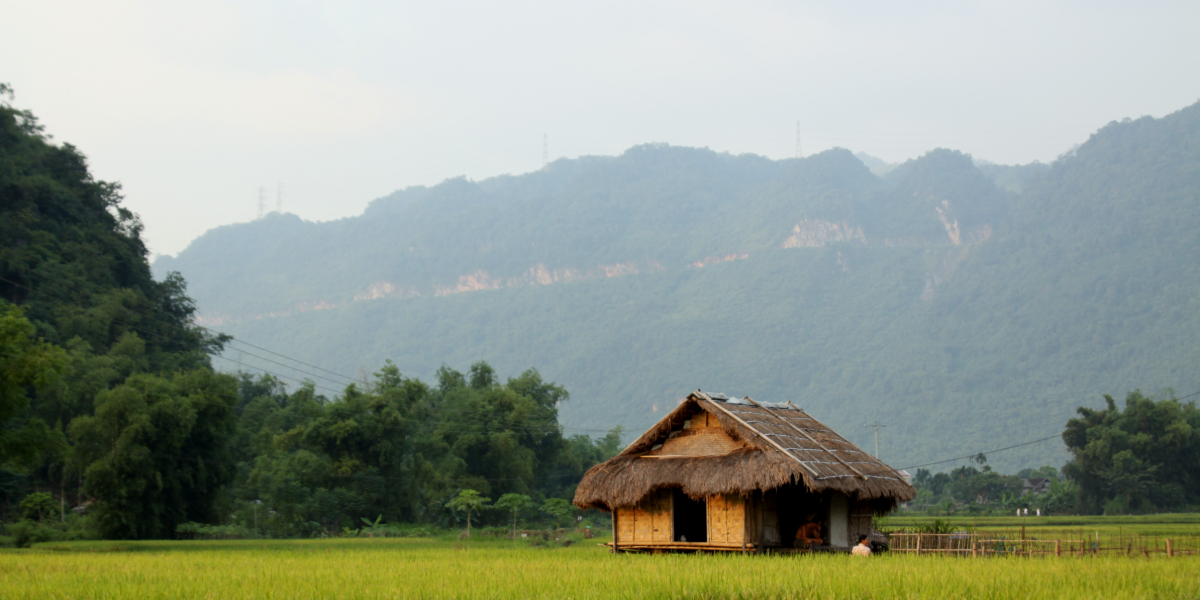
column 195, row 105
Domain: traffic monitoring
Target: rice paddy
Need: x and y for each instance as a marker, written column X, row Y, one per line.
column 491, row 568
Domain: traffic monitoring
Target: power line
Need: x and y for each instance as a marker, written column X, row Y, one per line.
column 193, row 324
column 985, row 452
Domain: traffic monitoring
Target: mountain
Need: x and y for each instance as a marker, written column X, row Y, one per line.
column 938, row 300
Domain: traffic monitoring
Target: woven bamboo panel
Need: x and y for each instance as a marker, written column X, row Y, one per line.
column 707, row 441
column 649, row 521
column 726, row 519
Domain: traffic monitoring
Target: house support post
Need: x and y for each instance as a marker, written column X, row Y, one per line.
column 615, row 528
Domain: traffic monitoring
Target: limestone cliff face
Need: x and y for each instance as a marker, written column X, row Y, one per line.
column 814, row 233
column 976, row 234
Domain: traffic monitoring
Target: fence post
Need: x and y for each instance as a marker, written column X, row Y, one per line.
column 1170, row 553
column 918, row 544
column 1057, row 548
column 974, row 549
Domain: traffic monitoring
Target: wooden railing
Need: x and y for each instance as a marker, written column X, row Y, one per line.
column 985, row 544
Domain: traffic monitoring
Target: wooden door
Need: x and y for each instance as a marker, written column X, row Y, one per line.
column 647, row 522
column 726, row 519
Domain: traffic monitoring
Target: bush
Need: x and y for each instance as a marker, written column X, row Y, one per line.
column 200, row 531
column 27, row 532
column 39, row 507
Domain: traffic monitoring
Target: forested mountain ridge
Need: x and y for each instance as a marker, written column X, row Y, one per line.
column 653, row 208
column 963, row 315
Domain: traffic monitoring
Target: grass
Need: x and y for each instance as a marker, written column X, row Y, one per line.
column 445, row 568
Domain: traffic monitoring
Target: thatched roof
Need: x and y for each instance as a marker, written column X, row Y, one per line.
column 779, row 444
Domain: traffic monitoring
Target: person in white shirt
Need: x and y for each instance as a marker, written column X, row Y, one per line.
column 862, row 549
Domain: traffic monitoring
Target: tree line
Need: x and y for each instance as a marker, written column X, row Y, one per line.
column 158, row 451
column 1140, row 459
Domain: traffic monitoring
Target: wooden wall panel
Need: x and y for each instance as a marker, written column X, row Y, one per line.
column 625, row 525
column 726, row 519
column 662, row 525
column 860, row 519
column 649, row 521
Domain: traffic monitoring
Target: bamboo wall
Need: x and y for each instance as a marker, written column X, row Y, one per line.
column 732, row 521
column 651, row 522
column 647, row 523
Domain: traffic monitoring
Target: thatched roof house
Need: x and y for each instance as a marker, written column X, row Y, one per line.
column 729, row 474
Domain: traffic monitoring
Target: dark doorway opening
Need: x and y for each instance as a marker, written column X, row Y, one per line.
column 691, row 518
column 794, row 505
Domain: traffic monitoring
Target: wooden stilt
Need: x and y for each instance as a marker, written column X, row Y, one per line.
column 615, row 528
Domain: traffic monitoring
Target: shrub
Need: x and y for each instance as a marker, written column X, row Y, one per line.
column 39, row 506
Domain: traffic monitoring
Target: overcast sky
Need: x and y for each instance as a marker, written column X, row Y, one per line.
column 194, row 106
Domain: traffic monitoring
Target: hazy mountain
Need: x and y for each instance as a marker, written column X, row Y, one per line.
column 959, row 313
column 877, row 165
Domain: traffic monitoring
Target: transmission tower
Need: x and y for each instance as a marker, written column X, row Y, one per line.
column 279, row 197
column 262, row 202
column 798, row 153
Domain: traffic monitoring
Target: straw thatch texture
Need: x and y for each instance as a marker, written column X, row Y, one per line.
column 812, row 454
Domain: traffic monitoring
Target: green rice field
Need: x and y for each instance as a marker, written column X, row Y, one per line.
column 494, row 568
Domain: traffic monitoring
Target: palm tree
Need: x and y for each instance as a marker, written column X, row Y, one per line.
column 468, row 500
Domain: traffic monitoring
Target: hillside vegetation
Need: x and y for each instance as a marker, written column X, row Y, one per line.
column 937, row 300
column 113, row 423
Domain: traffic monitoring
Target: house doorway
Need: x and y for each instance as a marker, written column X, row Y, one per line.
column 691, row 518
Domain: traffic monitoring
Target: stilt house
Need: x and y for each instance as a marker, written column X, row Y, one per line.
column 734, row 474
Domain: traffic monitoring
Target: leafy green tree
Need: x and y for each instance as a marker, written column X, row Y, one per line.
column 558, row 508
column 39, row 506
column 25, row 364
column 514, row 503
column 469, row 501
column 157, row 450
column 1139, row 459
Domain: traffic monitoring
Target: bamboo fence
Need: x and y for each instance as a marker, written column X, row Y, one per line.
column 991, row 544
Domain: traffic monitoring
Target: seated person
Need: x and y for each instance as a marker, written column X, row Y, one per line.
column 809, row 534
column 863, row 548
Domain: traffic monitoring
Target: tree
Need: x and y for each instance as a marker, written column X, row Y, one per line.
column 514, row 503
column 38, row 506
column 468, row 500
column 158, row 452
column 1138, row 459
column 25, row 364
column 557, row 508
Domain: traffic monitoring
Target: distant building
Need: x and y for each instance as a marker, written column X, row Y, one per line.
column 1037, row 485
